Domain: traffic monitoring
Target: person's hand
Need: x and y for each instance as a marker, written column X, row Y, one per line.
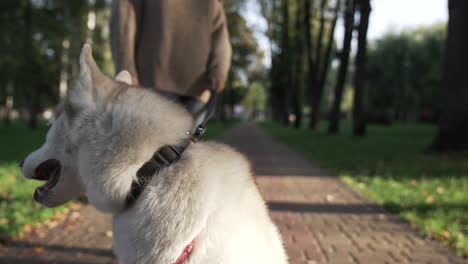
column 135, row 81
column 217, row 85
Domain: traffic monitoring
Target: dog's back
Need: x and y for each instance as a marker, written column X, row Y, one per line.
column 210, row 196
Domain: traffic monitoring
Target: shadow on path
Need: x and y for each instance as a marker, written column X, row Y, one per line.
column 326, row 208
column 72, row 250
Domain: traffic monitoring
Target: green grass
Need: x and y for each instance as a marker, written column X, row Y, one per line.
column 17, row 206
column 216, row 128
column 391, row 166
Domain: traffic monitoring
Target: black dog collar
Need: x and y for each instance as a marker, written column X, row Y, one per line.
column 164, row 157
column 168, row 155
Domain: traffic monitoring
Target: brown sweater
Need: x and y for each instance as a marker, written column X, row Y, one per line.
column 171, row 45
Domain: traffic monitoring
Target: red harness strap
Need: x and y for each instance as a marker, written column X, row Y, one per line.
column 186, row 253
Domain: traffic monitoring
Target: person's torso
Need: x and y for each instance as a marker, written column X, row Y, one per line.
column 174, row 43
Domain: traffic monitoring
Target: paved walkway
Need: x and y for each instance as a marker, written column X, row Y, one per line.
column 322, row 220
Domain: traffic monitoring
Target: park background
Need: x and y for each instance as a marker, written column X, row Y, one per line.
column 381, row 104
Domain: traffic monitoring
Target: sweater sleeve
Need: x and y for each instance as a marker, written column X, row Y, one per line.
column 123, row 31
column 221, row 51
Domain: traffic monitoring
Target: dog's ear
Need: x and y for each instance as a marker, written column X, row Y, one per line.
column 90, row 75
column 91, row 85
column 124, row 76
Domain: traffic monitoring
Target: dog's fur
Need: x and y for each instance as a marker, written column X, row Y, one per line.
column 104, row 132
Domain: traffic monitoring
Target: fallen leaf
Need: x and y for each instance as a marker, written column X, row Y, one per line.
column 39, row 250
column 445, row 234
column 430, row 199
column 27, row 228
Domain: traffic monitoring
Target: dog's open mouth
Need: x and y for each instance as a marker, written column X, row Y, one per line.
column 48, row 171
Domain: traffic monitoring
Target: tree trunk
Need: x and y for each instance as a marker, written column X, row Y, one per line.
column 283, row 92
column 343, row 70
column 33, row 112
column 33, row 95
column 323, row 73
column 453, row 125
column 312, row 82
column 317, row 91
column 65, row 57
column 298, row 69
column 319, row 44
column 359, row 110
column 271, row 98
column 275, row 106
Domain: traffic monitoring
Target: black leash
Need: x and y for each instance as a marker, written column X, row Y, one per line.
column 168, row 155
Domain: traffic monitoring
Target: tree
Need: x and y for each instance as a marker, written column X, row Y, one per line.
column 359, row 122
column 269, row 11
column 245, row 59
column 316, row 93
column 33, row 34
column 453, row 126
column 298, row 68
column 311, row 61
column 343, row 70
column 323, row 64
column 404, row 75
column 285, row 58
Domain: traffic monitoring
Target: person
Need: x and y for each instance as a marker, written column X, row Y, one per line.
column 178, row 47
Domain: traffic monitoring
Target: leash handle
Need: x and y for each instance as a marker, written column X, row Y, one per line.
column 204, row 115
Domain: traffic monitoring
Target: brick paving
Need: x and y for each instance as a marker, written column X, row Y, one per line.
column 321, row 219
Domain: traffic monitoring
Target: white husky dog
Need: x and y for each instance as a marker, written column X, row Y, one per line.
column 105, row 131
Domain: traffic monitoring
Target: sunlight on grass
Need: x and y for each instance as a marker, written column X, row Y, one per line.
column 17, row 206
column 391, row 166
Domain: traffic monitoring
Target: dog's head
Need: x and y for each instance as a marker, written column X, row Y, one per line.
column 99, row 136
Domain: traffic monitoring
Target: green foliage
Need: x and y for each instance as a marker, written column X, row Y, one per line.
column 405, row 73
column 246, row 64
column 391, row 167
column 215, row 129
column 32, row 46
column 256, row 97
column 17, row 206
column 298, row 59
